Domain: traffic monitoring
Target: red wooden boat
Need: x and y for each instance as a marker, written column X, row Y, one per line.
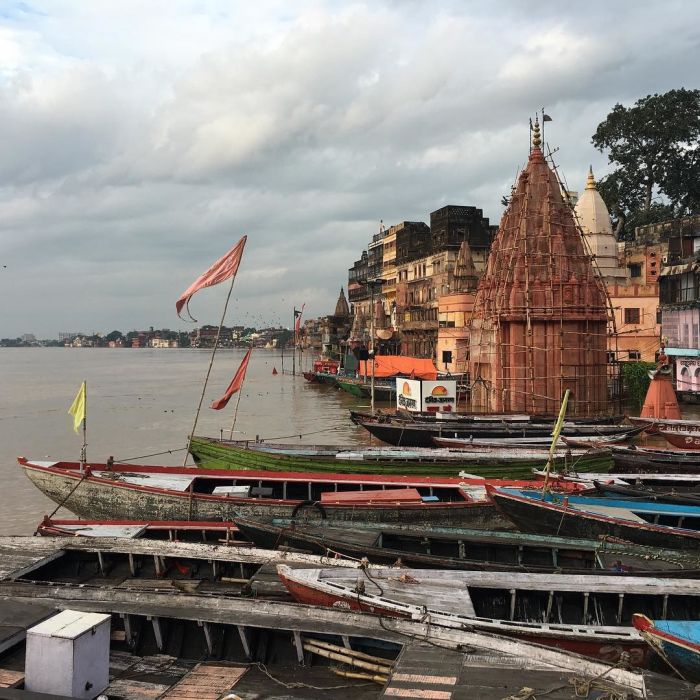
column 682, row 439
column 585, row 614
column 112, row 491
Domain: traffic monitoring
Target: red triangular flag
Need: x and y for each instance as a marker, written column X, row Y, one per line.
column 274, row 370
column 235, row 385
column 221, row 270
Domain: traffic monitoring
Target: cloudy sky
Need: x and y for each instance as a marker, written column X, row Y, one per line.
column 140, row 140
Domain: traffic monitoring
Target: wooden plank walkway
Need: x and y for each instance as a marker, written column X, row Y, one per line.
column 430, row 672
column 425, row 671
column 205, row 682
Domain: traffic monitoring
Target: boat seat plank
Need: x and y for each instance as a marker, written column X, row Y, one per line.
column 105, row 530
column 453, row 583
column 610, row 511
column 175, row 482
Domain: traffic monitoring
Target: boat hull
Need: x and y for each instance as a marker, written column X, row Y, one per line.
column 408, row 434
column 531, row 515
column 209, row 453
column 682, row 440
column 682, row 653
column 461, row 549
column 100, row 498
column 353, row 387
column 603, row 648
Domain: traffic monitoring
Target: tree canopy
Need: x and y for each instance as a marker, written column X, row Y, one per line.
column 655, row 145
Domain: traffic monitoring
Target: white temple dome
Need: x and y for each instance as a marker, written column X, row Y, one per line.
column 591, row 211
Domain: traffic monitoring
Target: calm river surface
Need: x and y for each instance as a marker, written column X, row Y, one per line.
column 142, row 402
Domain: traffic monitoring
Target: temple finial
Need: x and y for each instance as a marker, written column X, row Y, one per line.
column 536, row 140
column 590, row 183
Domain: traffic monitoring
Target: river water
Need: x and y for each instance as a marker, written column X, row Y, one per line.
column 142, row 402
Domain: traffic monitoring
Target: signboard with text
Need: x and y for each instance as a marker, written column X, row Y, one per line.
column 408, row 394
column 439, row 396
column 417, row 395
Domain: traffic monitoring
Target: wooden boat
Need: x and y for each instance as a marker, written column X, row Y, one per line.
column 180, row 493
column 208, row 617
column 654, row 481
column 564, row 442
column 472, row 550
column 213, row 453
column 401, row 415
column 355, row 387
column 647, row 459
column 590, row 518
column 666, row 424
column 645, row 494
column 676, row 641
column 682, row 439
column 585, row 614
column 401, row 433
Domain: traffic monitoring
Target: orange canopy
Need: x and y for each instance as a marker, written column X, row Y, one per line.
column 391, row 365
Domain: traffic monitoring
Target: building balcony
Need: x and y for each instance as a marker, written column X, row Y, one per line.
column 420, row 326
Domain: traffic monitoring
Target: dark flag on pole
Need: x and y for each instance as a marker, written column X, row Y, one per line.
column 546, row 117
column 297, row 317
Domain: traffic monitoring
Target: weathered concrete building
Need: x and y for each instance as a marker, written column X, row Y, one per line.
column 540, row 318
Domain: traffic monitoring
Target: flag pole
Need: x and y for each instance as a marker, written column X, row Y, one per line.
column 83, row 450
column 294, row 344
column 206, row 378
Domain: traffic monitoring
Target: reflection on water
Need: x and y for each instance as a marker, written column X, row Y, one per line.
column 142, row 402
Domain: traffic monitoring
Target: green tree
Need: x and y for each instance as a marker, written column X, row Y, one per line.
column 114, row 335
column 655, row 145
column 635, row 376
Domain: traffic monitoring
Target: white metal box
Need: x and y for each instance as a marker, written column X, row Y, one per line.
column 68, row 654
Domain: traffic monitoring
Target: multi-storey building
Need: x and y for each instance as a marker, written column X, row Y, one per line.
column 679, row 300
column 422, row 281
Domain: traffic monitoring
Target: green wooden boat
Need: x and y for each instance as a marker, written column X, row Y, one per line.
column 353, row 386
column 211, row 453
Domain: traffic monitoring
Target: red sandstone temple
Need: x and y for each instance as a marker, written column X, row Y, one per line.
column 540, row 318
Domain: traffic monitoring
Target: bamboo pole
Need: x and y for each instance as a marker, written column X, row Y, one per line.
column 206, row 378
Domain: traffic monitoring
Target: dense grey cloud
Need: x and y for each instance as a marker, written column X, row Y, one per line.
column 140, row 140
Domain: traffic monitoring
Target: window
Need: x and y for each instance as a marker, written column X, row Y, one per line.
column 631, row 315
column 658, row 316
column 446, row 357
column 635, row 355
column 635, row 269
column 611, row 357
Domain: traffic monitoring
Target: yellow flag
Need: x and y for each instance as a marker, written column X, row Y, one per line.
column 77, row 409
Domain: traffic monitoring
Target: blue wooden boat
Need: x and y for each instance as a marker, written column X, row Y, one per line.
column 676, row 641
column 642, row 522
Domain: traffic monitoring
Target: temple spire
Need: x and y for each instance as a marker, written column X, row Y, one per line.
column 590, row 183
column 536, row 140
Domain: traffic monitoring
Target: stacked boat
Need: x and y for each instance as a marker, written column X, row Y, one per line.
column 493, row 535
